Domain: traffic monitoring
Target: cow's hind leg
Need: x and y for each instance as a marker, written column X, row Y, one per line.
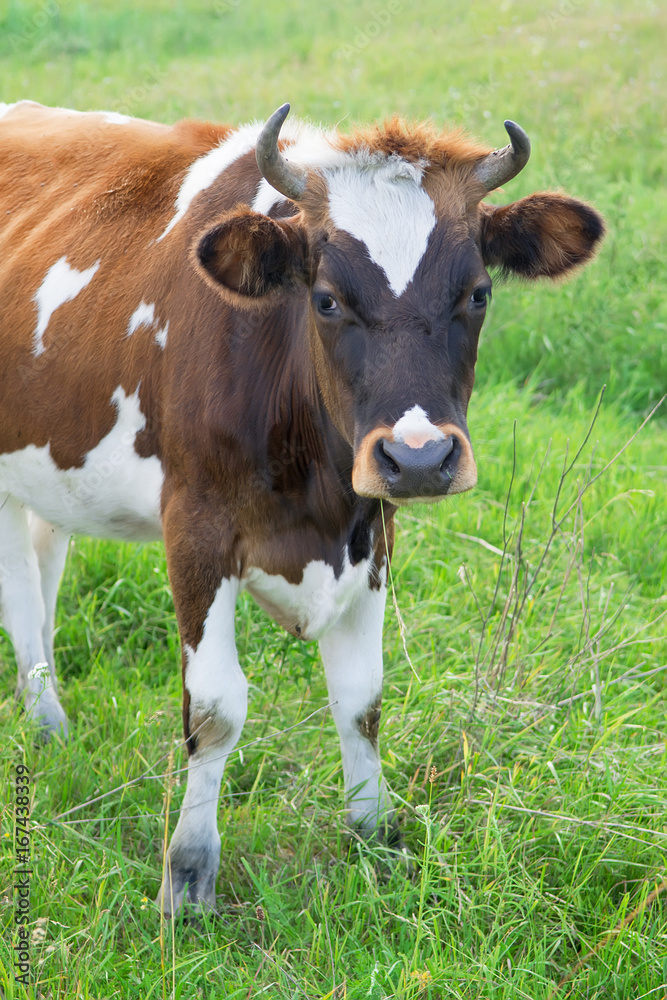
column 23, row 614
column 352, row 655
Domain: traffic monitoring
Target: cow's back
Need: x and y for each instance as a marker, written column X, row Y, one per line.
column 89, row 294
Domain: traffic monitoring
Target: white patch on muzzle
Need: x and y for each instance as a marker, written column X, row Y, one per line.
column 415, row 429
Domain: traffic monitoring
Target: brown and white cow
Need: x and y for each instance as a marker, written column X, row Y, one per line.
column 244, row 346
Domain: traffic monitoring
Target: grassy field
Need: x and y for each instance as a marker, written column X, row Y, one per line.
column 525, row 737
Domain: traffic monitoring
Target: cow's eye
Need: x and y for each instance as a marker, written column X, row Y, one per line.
column 480, row 297
column 326, row 304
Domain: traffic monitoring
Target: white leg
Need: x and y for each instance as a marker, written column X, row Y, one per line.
column 352, row 655
column 23, row 614
column 216, row 694
column 50, row 544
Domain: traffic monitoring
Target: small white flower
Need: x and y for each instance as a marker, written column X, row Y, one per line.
column 39, row 671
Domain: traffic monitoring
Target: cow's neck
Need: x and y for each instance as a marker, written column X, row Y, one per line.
column 303, row 461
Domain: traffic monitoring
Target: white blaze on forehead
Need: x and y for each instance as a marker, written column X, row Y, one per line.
column 61, row 284
column 415, row 429
column 385, row 207
column 143, row 315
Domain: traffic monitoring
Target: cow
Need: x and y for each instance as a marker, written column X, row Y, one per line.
column 255, row 343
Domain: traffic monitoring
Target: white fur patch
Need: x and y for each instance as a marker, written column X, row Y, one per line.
column 306, row 146
column 115, row 118
column 61, row 284
column 5, row 109
column 385, row 207
column 115, row 494
column 143, row 315
column 161, row 335
column 352, row 655
column 207, row 168
column 311, row 607
column 266, row 197
column 415, row 429
column 212, row 674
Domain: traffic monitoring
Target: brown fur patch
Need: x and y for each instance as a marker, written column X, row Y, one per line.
column 456, row 193
column 204, row 729
column 414, row 142
column 368, row 723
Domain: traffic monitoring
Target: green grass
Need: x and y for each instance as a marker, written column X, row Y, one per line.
column 545, row 825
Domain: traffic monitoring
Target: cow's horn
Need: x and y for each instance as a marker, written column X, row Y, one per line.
column 502, row 165
column 285, row 177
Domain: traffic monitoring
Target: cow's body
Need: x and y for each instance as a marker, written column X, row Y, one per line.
column 249, row 384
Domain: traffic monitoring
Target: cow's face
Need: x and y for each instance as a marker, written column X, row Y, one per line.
column 394, row 256
column 397, row 308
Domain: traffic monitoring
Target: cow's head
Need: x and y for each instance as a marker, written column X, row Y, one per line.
column 392, row 239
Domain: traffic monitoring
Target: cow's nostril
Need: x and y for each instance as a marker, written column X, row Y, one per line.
column 390, row 465
column 451, row 458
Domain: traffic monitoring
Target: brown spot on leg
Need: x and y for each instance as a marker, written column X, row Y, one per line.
column 368, row 724
column 208, row 728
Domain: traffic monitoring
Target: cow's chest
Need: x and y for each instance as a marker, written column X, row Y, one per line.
column 308, row 608
column 114, row 494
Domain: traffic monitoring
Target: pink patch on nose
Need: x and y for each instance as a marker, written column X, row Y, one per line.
column 419, row 438
column 415, row 429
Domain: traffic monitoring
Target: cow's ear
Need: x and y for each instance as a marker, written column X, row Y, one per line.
column 251, row 258
column 543, row 235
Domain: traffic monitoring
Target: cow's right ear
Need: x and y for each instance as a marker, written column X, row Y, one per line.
column 250, row 259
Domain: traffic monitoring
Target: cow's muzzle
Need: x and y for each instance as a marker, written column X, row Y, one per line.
column 397, row 471
column 427, row 471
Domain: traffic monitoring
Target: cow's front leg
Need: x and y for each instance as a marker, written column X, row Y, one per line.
column 214, row 710
column 352, row 655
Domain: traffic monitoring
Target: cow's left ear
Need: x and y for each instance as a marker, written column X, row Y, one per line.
column 543, row 235
column 250, row 258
